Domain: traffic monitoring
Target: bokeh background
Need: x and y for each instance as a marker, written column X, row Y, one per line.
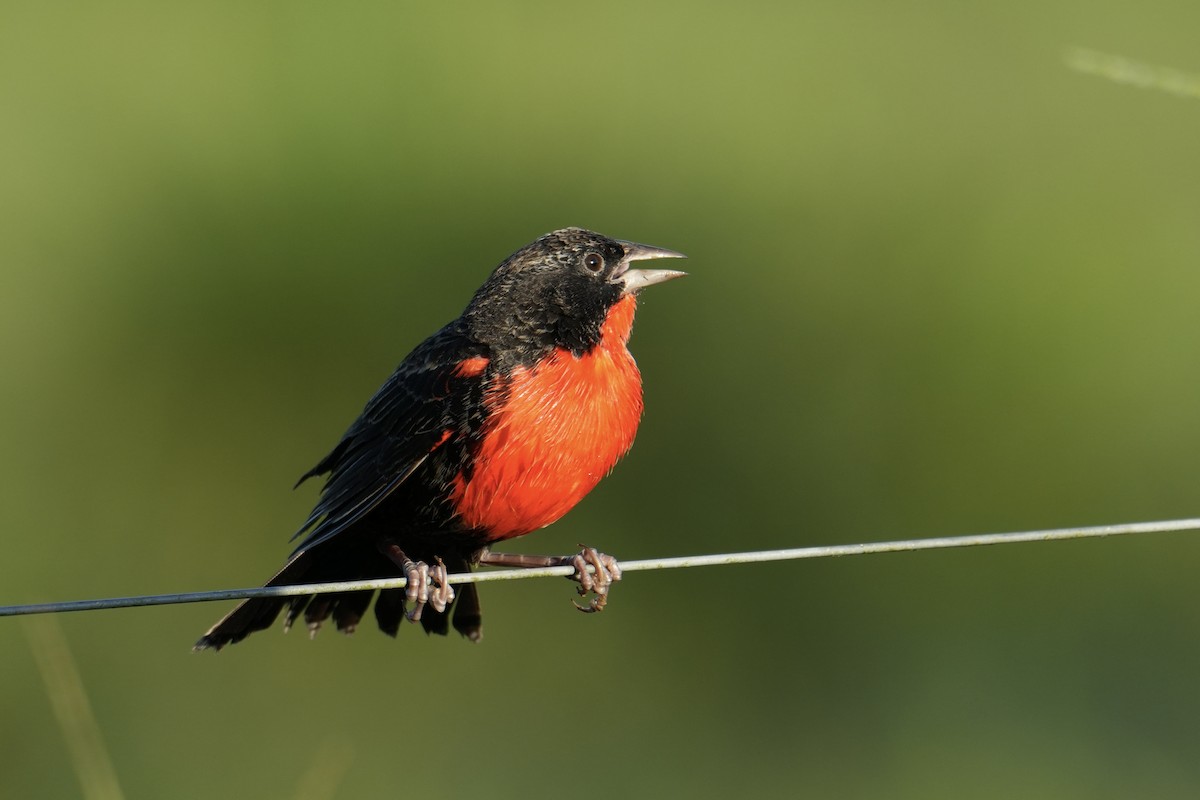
column 940, row 284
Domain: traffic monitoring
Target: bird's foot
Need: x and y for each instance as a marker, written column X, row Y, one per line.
column 607, row 572
column 427, row 585
column 604, row 571
column 443, row 593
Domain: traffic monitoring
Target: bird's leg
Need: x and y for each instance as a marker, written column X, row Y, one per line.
column 419, row 577
column 604, row 571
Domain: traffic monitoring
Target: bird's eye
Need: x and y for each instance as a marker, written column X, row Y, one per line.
column 593, row 262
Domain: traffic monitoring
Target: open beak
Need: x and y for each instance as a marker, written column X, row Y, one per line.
column 637, row 279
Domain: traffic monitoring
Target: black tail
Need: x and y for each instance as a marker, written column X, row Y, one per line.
column 346, row 608
column 255, row 614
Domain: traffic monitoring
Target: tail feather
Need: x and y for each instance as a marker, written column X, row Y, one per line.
column 434, row 621
column 468, row 617
column 350, row 608
column 346, row 608
column 319, row 609
column 255, row 614
column 390, row 610
column 295, row 609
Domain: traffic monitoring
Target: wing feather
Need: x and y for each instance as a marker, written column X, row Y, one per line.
column 402, row 424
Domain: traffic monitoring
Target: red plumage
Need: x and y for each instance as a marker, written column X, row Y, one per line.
column 559, row 428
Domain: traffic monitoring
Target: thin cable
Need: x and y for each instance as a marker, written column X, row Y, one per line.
column 828, row 551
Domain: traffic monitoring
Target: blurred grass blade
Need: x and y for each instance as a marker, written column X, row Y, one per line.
column 1133, row 73
column 69, row 700
column 326, row 770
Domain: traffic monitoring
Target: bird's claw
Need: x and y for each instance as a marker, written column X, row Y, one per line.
column 426, row 585
column 607, row 571
column 443, row 593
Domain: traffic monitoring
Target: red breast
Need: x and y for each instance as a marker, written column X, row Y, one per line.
column 563, row 424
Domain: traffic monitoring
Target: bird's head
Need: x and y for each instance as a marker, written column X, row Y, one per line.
column 558, row 290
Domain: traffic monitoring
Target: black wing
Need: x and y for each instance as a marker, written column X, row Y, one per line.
column 403, row 423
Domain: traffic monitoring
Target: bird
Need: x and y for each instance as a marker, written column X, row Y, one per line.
column 493, row 427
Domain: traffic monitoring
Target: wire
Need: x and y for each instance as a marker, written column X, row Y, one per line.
column 828, row 551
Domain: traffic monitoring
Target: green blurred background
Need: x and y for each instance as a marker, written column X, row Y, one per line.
column 940, row 284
